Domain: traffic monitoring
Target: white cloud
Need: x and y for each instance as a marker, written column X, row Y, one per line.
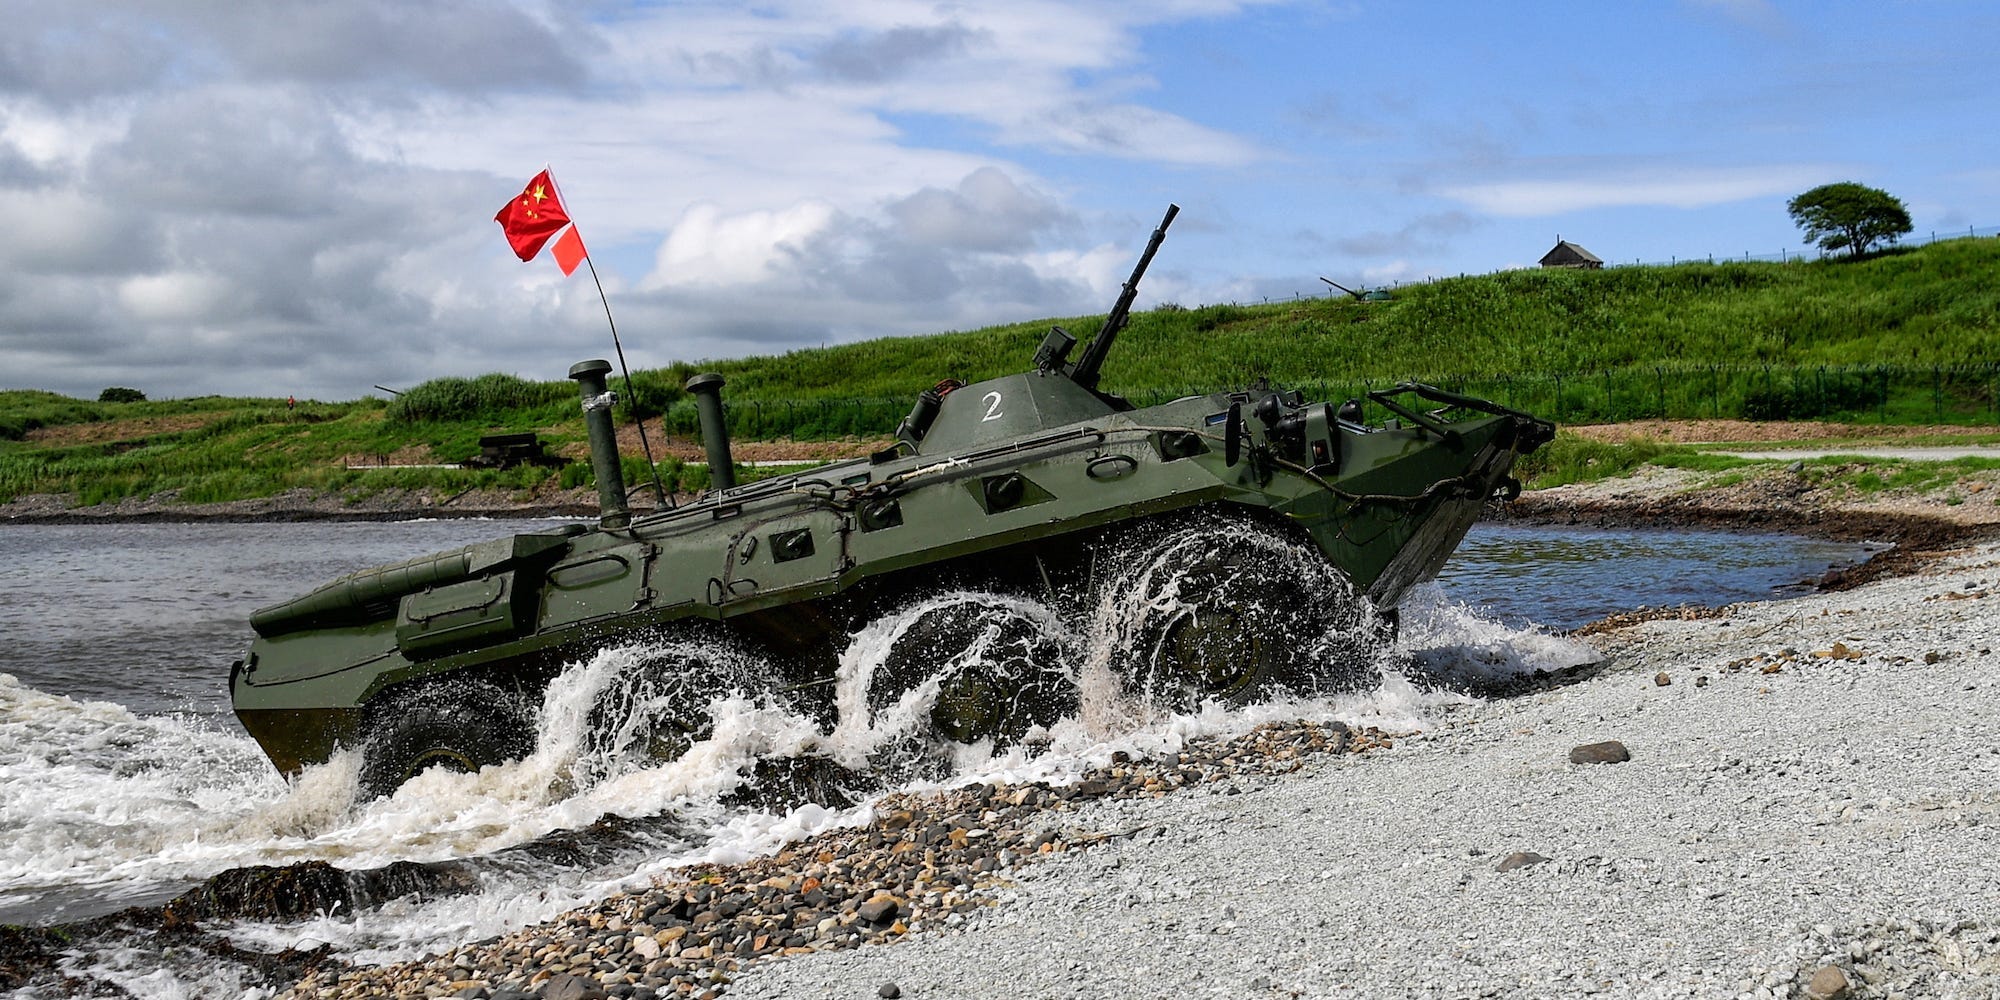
column 54, row 140
column 1012, row 68
column 1692, row 187
column 1390, row 273
column 988, row 211
column 1101, row 272
column 65, row 232
column 315, row 204
column 754, row 179
column 709, row 248
column 176, row 297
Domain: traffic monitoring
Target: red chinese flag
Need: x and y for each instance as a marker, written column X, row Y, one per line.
column 569, row 251
column 532, row 218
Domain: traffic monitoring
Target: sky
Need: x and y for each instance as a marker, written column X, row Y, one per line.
column 297, row 198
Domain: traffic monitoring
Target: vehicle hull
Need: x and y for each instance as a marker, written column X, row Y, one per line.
column 793, row 566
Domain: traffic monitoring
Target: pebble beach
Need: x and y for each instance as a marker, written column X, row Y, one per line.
column 1812, row 796
column 1794, row 798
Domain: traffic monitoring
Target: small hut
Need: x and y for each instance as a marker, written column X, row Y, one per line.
column 1567, row 254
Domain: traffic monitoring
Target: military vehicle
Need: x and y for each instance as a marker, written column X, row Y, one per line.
column 1367, row 295
column 1038, row 485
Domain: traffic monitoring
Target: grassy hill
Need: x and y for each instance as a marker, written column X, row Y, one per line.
column 1909, row 335
column 1937, row 304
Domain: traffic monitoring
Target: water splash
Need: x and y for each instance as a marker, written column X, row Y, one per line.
column 1308, row 631
column 1445, row 643
column 669, row 698
column 122, row 800
column 893, row 672
column 94, row 799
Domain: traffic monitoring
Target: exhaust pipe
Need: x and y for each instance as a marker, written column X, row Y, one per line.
column 707, row 391
column 597, row 400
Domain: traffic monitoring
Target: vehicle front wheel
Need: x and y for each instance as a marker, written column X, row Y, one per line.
column 461, row 725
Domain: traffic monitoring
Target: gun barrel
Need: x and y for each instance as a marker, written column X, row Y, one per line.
column 1084, row 373
column 1340, row 286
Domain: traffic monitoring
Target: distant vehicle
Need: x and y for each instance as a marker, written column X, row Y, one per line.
column 1375, row 295
column 505, row 451
column 1038, row 484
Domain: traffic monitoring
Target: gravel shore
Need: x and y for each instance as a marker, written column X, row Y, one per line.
column 1778, row 799
column 1811, row 807
column 1795, row 799
column 1814, row 786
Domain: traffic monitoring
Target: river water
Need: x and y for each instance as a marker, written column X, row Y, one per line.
column 125, row 780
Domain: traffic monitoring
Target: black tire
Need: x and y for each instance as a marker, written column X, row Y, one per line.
column 1232, row 612
column 655, row 710
column 1000, row 672
column 461, row 725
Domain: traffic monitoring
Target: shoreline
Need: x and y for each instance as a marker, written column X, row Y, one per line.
column 1916, row 526
column 1780, row 817
column 1642, row 500
column 1804, row 792
column 1815, row 692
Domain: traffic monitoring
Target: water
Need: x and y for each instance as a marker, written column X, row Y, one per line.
column 150, row 615
column 124, row 780
column 1563, row 577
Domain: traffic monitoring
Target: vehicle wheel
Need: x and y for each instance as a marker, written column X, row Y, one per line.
column 1000, row 671
column 658, row 707
column 1234, row 613
column 460, row 725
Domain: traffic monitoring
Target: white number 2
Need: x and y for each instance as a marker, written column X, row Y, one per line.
column 992, row 407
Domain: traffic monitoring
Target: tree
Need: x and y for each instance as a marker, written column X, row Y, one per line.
column 1849, row 216
column 120, row 394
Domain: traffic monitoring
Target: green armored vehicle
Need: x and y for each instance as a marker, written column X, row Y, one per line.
column 1033, row 487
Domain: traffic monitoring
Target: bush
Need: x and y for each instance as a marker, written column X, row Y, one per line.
column 466, row 399
column 24, row 410
column 1207, row 318
column 651, row 393
column 120, row 394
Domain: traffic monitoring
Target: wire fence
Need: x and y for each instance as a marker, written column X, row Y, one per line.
column 1790, row 256
column 1964, row 394
column 1781, row 256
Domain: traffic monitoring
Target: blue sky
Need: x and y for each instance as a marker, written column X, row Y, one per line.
column 298, row 197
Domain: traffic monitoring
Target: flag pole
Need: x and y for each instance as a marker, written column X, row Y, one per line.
column 658, row 490
column 632, row 397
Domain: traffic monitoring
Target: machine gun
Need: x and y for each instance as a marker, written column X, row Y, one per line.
column 1084, row 372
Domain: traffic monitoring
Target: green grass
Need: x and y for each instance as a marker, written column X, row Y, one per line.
column 1902, row 337
column 1870, row 476
column 1908, row 336
column 1570, row 459
column 1935, row 305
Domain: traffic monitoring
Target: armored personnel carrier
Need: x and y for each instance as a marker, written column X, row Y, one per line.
column 1039, row 485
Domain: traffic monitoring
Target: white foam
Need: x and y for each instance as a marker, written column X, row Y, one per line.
column 96, row 798
column 746, row 729
column 92, row 795
column 1457, row 644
